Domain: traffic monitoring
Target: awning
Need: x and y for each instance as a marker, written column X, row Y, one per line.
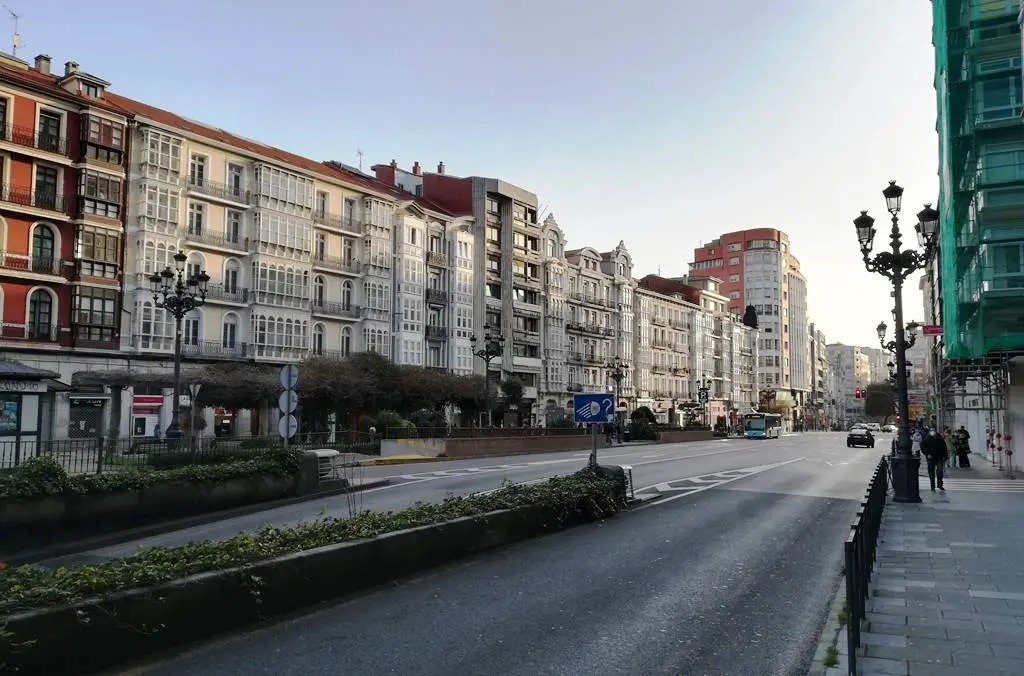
column 54, row 385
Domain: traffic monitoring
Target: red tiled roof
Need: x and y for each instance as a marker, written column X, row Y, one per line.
column 33, row 78
column 668, row 287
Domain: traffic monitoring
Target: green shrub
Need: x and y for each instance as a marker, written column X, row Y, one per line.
column 584, row 494
column 43, row 476
column 641, row 430
column 212, row 456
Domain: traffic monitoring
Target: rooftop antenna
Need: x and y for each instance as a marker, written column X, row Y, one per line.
column 16, row 38
column 359, row 154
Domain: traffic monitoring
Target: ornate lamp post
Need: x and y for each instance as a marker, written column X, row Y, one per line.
column 178, row 295
column 896, row 264
column 493, row 346
column 619, row 369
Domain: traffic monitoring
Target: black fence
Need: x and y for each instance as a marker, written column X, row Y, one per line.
column 93, row 456
column 859, row 553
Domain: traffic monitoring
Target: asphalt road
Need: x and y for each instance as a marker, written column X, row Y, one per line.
column 728, row 571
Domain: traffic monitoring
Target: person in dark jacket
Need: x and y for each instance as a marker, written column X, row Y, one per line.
column 963, row 446
column 933, row 448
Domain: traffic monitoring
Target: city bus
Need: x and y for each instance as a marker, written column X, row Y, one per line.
column 762, row 425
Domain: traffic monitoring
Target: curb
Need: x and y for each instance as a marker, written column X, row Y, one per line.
column 135, row 624
column 832, row 635
column 402, row 461
column 142, row 532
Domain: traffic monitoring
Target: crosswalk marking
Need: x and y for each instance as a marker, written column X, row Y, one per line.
column 984, row 485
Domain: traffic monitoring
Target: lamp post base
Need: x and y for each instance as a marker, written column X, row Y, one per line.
column 174, row 431
column 905, row 479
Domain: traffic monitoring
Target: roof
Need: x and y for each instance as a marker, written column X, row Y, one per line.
column 12, row 370
column 49, row 83
column 668, row 287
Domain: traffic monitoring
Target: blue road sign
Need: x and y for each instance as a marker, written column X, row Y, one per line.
column 593, row 407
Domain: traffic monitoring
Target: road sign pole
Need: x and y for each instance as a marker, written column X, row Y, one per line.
column 288, row 412
column 593, row 445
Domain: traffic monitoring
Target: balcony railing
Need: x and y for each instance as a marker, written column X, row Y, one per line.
column 214, row 349
column 232, row 294
column 216, row 239
column 23, row 263
column 574, row 387
column 437, row 259
column 435, row 332
column 328, row 219
column 221, row 191
column 662, row 344
column 336, row 309
column 29, row 198
column 335, row 263
column 659, row 321
column 28, row 138
column 437, row 297
column 678, row 325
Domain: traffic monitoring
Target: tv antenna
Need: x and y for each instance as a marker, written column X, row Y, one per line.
column 359, row 154
column 16, row 38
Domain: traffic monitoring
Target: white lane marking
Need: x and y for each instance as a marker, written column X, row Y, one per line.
column 684, row 492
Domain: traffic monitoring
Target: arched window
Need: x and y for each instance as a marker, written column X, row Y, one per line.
column 318, row 339
column 192, row 328
column 194, row 265
column 40, row 312
column 232, row 275
column 318, row 290
column 229, row 331
column 346, row 295
column 43, row 249
column 346, row 341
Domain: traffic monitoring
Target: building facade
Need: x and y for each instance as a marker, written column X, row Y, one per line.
column 821, row 407
column 852, row 368
column 63, row 157
column 757, row 268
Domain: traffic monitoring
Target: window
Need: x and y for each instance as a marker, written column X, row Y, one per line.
column 229, row 332
column 999, row 99
column 232, row 226
column 190, row 330
column 492, row 205
column 163, row 155
column 493, row 234
column 236, row 181
column 161, row 209
column 320, row 246
column 735, row 246
column 156, row 329
column 318, row 290
column 40, row 315
column 99, row 194
column 1007, row 266
column 346, row 295
column 196, row 216
column 318, row 339
column 283, row 190
column 197, row 170
column 231, row 272
column 97, row 252
column 49, row 131
column 46, row 188
column 1003, row 162
column 43, row 251
column 346, row 341
column 321, row 203
column 104, row 132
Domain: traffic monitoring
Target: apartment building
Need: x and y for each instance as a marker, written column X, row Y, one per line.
column 599, row 323
column 684, row 334
column 852, row 368
column 557, row 383
column 820, row 411
column 507, row 261
column 63, row 147
column 756, row 267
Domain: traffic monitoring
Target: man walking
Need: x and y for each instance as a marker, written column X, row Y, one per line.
column 933, row 448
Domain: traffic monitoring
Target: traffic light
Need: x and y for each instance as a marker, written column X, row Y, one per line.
column 858, row 393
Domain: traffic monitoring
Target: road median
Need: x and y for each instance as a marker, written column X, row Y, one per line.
column 80, row 620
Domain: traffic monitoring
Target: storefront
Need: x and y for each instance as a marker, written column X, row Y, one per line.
column 26, row 406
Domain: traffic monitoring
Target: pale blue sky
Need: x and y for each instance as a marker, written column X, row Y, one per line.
column 657, row 122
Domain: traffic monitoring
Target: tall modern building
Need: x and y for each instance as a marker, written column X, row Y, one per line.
column 757, row 268
column 821, row 407
column 507, row 264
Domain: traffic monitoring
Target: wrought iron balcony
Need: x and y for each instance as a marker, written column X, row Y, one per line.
column 435, row 332
column 28, row 138
column 327, row 307
column 218, row 239
column 437, row 259
column 23, row 263
column 336, row 263
column 437, row 297
column 220, row 191
column 233, row 294
column 47, row 201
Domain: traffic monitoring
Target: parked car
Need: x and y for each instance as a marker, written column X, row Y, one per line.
column 889, row 429
column 860, row 436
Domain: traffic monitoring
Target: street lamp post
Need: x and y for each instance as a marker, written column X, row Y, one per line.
column 619, row 369
column 896, row 265
column 178, row 295
column 493, row 346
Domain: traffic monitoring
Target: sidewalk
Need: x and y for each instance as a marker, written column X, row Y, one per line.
column 948, row 587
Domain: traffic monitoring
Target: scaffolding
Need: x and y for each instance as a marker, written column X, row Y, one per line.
column 981, row 164
column 980, row 386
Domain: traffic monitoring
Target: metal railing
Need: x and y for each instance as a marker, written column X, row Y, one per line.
column 29, row 138
column 859, row 556
column 475, row 432
column 26, row 197
column 96, row 456
column 224, row 191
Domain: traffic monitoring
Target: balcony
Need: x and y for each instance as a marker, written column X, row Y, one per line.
column 436, row 297
column 20, row 263
column 29, row 333
column 216, row 239
column 576, row 357
column 280, row 300
column 336, row 263
column 527, row 282
column 437, row 259
column 26, row 137
column 214, row 349
column 232, row 294
column 335, row 309
column 529, row 337
column 659, row 369
column 95, row 272
column 574, row 387
column 661, row 344
column 591, row 300
column 678, row 325
column 218, row 192
column 35, row 201
column 435, row 332
column 659, row 321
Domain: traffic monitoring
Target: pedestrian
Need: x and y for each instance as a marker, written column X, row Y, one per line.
column 609, row 433
column 934, row 450
column 947, row 437
column 963, row 447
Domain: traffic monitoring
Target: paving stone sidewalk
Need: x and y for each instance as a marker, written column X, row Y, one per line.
column 948, row 588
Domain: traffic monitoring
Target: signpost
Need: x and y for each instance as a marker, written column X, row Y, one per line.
column 287, row 425
column 593, row 408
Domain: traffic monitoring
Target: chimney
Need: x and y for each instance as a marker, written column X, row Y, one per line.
column 394, row 164
column 416, row 170
column 43, row 64
column 440, row 168
column 70, row 68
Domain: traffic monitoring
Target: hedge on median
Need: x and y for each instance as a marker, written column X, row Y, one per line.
column 586, row 493
column 43, row 476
